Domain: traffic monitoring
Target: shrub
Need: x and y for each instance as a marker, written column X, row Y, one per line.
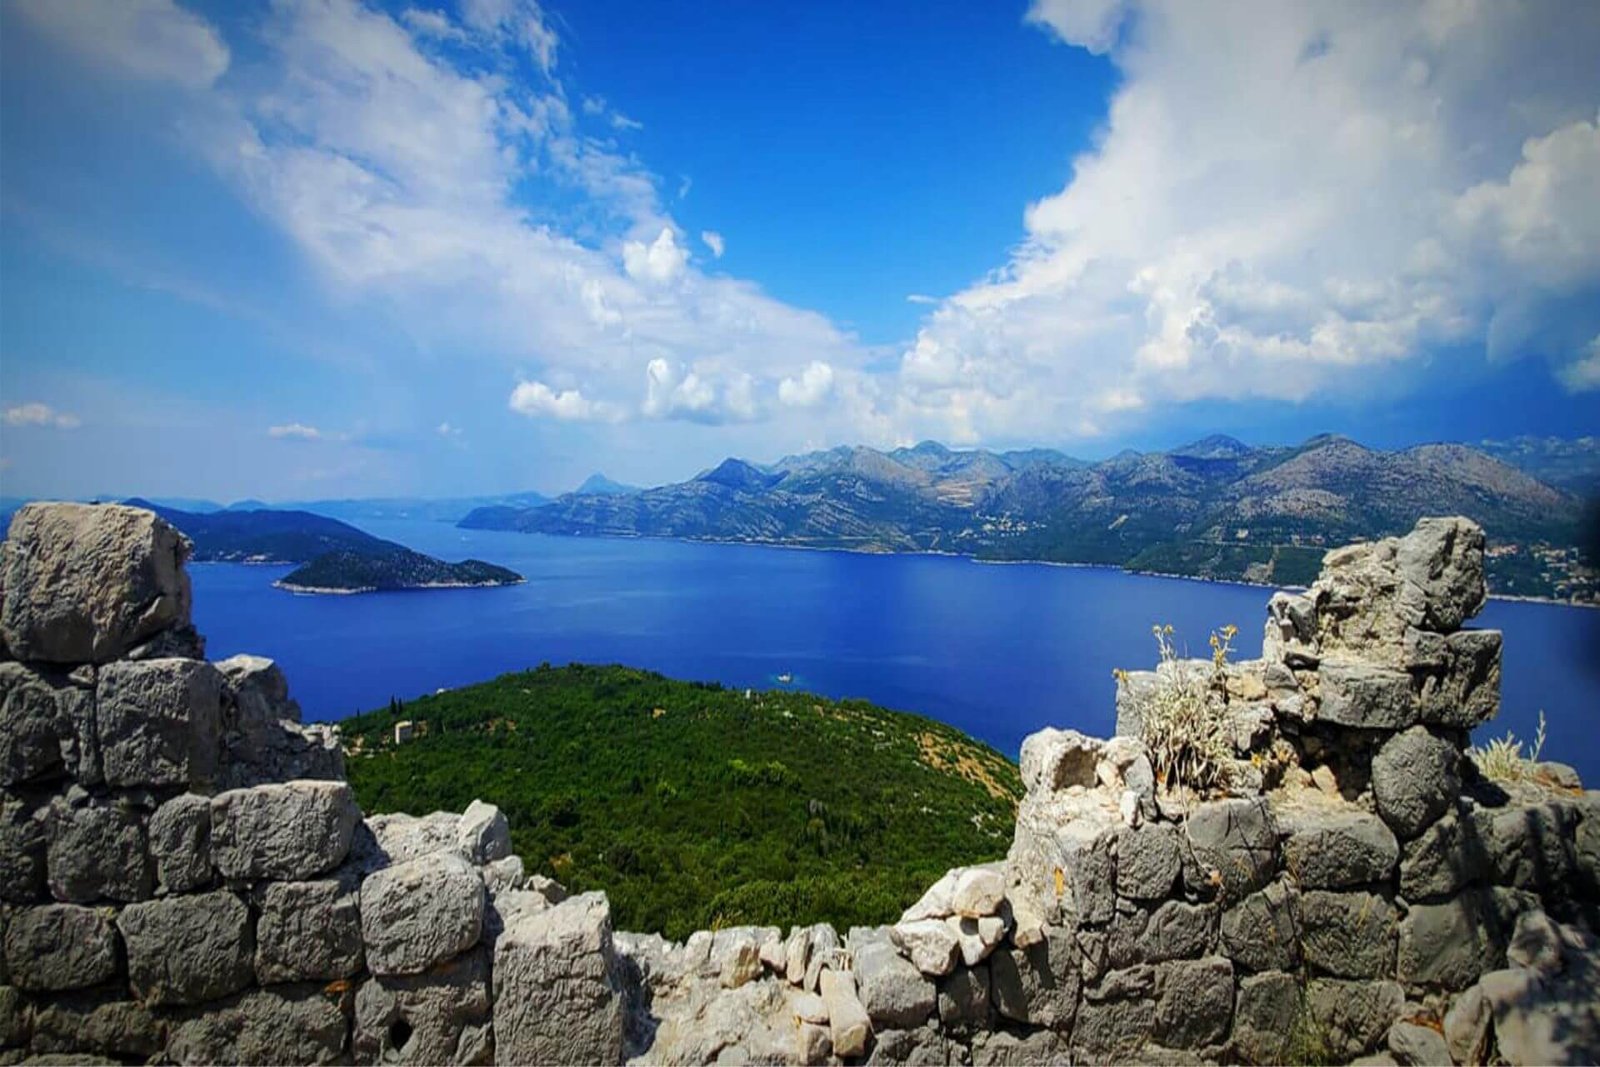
column 1502, row 759
column 1181, row 718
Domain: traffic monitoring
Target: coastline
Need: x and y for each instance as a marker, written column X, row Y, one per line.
column 317, row 590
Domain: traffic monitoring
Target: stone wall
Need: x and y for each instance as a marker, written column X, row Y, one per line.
column 185, row 876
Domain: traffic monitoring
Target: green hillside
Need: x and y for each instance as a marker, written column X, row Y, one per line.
column 693, row 805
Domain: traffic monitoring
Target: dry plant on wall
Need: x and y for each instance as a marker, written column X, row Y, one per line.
column 1181, row 718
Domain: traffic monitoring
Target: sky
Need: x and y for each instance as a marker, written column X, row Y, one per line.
column 319, row 248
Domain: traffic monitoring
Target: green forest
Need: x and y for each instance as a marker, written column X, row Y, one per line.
column 693, row 805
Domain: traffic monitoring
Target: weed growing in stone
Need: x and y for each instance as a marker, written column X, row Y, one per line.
column 1181, row 719
column 1502, row 759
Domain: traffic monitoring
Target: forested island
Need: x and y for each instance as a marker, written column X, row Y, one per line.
column 695, row 805
column 366, row 572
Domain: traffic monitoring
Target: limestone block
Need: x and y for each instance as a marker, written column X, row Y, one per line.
column 1463, row 691
column 260, row 691
column 931, row 945
column 1353, row 1016
column 85, row 583
column 1194, row 1005
column 1418, row 1046
column 937, row 902
column 1339, row 848
column 382, row 840
column 1148, row 861
column 976, row 938
column 440, row 1017
column 102, row 1022
column 46, row 727
column 188, row 949
column 1112, row 1031
column 1366, row 696
column 180, row 843
column 822, row 953
column 1053, row 760
column 1443, row 559
column 1415, row 779
column 483, row 835
column 1262, row 931
column 1445, row 857
column 1179, row 930
column 309, row 931
column 849, row 1026
column 158, row 722
column 287, row 830
column 978, row 891
column 1466, row 1027
column 60, row 946
column 1037, row 985
column 284, row 1024
column 1134, row 689
column 422, row 912
column 22, row 850
column 963, row 999
column 97, row 850
column 1527, row 846
column 1348, row 935
column 1230, row 847
column 557, row 996
column 1450, row 944
column 1264, row 1015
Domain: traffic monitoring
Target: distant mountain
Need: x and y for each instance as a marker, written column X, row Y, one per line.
column 335, row 556
column 599, row 485
column 429, row 509
column 1215, row 508
column 1566, row 463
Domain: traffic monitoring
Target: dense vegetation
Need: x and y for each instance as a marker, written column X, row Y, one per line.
column 693, row 805
column 1216, row 508
column 398, row 568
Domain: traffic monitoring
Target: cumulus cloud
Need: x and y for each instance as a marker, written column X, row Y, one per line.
column 659, row 262
column 37, row 414
column 149, row 40
column 809, row 389
column 537, row 400
column 1373, row 186
column 713, row 240
column 295, row 431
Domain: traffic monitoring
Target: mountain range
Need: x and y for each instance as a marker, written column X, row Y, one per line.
column 1215, row 508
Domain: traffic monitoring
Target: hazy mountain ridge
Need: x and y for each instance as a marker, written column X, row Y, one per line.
column 1213, row 508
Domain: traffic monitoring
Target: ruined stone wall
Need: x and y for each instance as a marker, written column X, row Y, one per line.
column 185, row 877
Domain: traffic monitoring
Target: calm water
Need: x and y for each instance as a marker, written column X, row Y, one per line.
column 997, row 650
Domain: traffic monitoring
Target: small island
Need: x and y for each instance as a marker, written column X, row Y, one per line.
column 367, row 572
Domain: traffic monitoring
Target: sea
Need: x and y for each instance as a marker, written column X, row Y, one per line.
column 997, row 650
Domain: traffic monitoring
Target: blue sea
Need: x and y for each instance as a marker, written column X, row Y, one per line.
column 996, row 650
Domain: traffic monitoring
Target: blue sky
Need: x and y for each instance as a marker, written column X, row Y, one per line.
column 325, row 247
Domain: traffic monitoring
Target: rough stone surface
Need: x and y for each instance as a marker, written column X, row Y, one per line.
column 188, row 949
column 1037, row 985
column 1230, row 847
column 1442, row 558
column 1353, row 1016
column 441, row 1017
column 422, row 912
column 1112, row 1031
column 46, row 728
column 100, row 1021
column 60, row 946
column 964, row 998
column 1340, row 849
column 158, row 722
column 97, row 850
column 180, row 843
column 1148, row 862
column 1442, row 859
column 1415, row 779
column 1463, row 690
column 483, row 835
column 1262, row 931
column 85, row 583
column 1365, row 696
column 1264, row 1014
column 1451, row 943
column 1526, row 845
column 556, row 990
column 285, row 1024
column 1054, row 759
column 1418, row 1046
column 308, row 931
column 22, row 851
column 1195, row 1002
column 1348, row 935
column 848, row 1023
column 930, row 944
column 978, row 892
column 1466, row 1027
column 287, row 830
column 1545, row 1019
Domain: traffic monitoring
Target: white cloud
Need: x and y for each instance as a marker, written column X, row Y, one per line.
column 619, row 121
column 1584, row 374
column 537, row 400
column 713, row 240
column 37, row 414
column 921, row 298
column 150, row 40
column 444, row 429
column 809, row 389
column 295, row 431
column 1372, row 186
column 659, row 262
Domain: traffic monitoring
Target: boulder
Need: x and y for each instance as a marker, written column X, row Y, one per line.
column 1462, row 689
column 285, row 1024
column 978, row 891
column 1352, row 1017
column 86, row 583
column 1339, row 848
column 422, row 912
column 1527, row 845
column 1415, row 1045
column 558, row 998
column 46, row 728
column 1230, row 847
column 1348, row 935
column 22, row 850
column 1037, row 985
column 1262, row 931
column 1178, row 930
column 1265, row 1011
column 60, row 946
column 1450, row 944
column 1442, row 559
column 285, row 830
column 822, row 953
column 1194, row 1005
column 964, row 998
column 1544, row 1019
column 1148, row 862
column 103, row 1022
column 180, row 843
column 309, row 931
column 440, row 1017
column 1365, row 696
column 188, row 949
column 1466, row 1027
column 848, row 1023
column 1053, row 760
column 930, row 944
column 483, row 835
column 97, row 850
column 937, row 902
column 1415, row 779
column 158, row 722
column 1445, row 857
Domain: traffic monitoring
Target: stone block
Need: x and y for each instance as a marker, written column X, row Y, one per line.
column 849, row 1026
column 1194, row 1005
column 1444, row 858
column 1262, row 931
column 440, row 1017
column 1265, row 1012
column 1415, row 779
column 188, row 949
column 309, row 931
column 1112, row 1031
column 285, row 1024
column 978, row 891
column 1053, row 760
column 180, row 843
column 1348, row 935
column 22, row 850
column 422, row 912
column 1339, row 848
column 1463, row 691
column 158, row 722
column 1230, row 848
column 60, row 946
column 1037, row 985
column 963, row 999
column 893, row 991
column 1365, row 696
column 1148, row 862
column 102, row 1022
column 483, row 835
column 1442, row 558
column 97, row 850
column 86, row 583
column 1450, row 944
column 46, row 727
column 1179, row 930
column 1352, row 1017
column 931, row 945
column 1528, row 846
column 1466, row 1027
column 287, row 830
column 557, row 995
column 1418, row 1046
